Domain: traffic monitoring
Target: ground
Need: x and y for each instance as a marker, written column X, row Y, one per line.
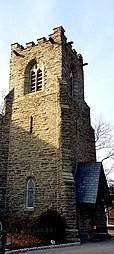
column 99, row 247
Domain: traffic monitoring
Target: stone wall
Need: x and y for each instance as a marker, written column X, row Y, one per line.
column 34, row 154
column 61, row 133
column 4, row 148
column 1, row 168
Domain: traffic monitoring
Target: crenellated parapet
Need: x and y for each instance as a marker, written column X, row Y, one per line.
column 56, row 38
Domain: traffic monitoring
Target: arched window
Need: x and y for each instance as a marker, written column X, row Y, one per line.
column 30, row 193
column 36, row 78
column 71, row 84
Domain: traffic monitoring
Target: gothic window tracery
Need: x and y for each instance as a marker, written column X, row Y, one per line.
column 36, row 78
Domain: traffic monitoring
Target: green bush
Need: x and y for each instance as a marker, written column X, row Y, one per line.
column 52, row 226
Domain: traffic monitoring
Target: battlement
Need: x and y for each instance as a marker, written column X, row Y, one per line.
column 56, row 38
column 16, row 45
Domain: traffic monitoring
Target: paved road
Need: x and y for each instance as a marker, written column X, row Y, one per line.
column 102, row 247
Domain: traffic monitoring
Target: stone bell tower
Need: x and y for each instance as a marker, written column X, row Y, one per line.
column 49, row 129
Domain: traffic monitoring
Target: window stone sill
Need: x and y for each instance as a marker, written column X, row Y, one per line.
column 29, row 209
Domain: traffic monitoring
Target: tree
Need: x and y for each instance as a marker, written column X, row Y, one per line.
column 104, row 141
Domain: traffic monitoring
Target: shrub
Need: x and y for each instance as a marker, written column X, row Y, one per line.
column 52, row 226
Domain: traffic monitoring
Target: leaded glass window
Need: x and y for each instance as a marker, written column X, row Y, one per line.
column 30, row 193
column 36, row 78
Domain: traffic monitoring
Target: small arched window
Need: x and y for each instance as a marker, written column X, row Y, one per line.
column 36, row 78
column 71, row 84
column 30, row 193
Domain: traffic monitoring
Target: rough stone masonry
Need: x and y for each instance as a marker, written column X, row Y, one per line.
column 46, row 129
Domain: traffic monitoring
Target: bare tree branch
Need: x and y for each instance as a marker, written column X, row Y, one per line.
column 104, row 141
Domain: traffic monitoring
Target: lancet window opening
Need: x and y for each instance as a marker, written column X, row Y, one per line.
column 71, row 84
column 30, row 193
column 36, row 78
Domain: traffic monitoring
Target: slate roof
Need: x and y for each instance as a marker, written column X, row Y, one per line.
column 87, row 181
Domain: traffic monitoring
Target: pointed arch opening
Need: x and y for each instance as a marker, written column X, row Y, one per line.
column 30, row 193
column 71, row 83
column 34, row 76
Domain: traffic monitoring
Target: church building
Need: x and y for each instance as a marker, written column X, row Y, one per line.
column 47, row 144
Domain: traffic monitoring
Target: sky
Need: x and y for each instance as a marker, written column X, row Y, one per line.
column 88, row 23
